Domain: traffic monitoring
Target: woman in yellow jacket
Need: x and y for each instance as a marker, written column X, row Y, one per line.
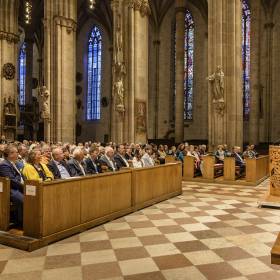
column 34, row 169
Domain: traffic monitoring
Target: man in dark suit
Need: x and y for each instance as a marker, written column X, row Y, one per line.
column 9, row 170
column 238, row 159
column 92, row 162
column 119, row 158
column 58, row 166
column 76, row 164
column 107, row 161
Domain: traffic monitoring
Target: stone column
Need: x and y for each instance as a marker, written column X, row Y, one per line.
column 8, row 54
column 179, row 71
column 255, row 86
column 224, row 49
column 141, row 69
column 60, row 67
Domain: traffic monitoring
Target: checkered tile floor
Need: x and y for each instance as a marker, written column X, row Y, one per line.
column 210, row 232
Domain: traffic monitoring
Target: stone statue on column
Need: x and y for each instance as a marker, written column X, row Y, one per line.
column 217, row 81
column 44, row 97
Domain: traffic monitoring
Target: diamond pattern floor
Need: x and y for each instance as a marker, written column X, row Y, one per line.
column 210, row 232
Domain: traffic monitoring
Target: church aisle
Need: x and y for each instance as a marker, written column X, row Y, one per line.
column 210, row 232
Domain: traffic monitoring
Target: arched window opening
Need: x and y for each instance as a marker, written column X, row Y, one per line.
column 94, row 74
column 22, row 74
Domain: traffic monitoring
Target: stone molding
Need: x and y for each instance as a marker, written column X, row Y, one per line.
column 140, row 5
column 9, row 37
column 180, row 10
column 70, row 24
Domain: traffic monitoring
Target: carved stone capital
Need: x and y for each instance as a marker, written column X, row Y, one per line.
column 70, row 24
column 9, row 37
column 139, row 5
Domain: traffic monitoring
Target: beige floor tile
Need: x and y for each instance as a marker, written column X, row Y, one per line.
column 216, row 243
column 186, row 273
column 63, row 249
column 270, row 227
column 138, row 266
column 206, row 219
column 250, row 266
column 102, row 256
column 177, row 215
column 203, row 257
column 24, row 265
column 5, row 254
column 166, row 222
column 125, row 242
column 116, row 226
column 180, row 237
column 146, row 231
column 69, row 273
column 93, row 236
column 162, row 250
column 33, row 275
column 237, row 223
column 194, row 227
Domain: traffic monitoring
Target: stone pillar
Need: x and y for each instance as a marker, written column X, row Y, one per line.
column 60, row 68
column 8, row 54
column 141, row 78
column 179, row 71
column 255, row 86
column 224, row 49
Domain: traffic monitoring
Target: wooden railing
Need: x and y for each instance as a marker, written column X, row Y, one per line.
column 57, row 209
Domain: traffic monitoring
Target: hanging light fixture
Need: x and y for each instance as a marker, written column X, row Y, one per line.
column 28, row 12
column 92, row 4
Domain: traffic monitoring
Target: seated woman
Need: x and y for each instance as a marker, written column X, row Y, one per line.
column 34, row 169
column 220, row 154
column 193, row 152
column 137, row 160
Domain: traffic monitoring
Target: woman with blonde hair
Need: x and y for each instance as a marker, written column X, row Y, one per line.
column 34, row 169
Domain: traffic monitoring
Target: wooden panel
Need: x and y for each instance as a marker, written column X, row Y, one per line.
column 229, row 168
column 170, row 159
column 104, row 194
column 275, row 252
column 151, row 183
column 4, row 204
column 208, row 167
column 274, row 171
column 189, row 167
column 257, row 169
column 61, row 206
column 32, row 211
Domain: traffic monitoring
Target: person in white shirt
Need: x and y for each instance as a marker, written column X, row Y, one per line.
column 107, row 161
column 137, row 161
column 147, row 157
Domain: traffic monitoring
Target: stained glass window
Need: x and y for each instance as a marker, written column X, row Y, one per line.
column 22, row 73
column 246, row 28
column 94, row 74
column 188, row 64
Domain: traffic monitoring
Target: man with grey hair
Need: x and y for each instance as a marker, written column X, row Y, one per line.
column 58, row 166
column 76, row 164
column 107, row 161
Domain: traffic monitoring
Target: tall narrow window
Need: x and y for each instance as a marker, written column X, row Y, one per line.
column 189, row 54
column 22, row 73
column 94, row 74
column 246, row 28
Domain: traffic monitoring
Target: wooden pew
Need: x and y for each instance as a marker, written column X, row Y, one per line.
column 4, row 204
column 170, row 159
column 230, row 169
column 257, row 169
column 151, row 185
column 211, row 170
column 57, row 209
column 189, row 167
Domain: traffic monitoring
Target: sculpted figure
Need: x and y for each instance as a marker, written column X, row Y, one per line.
column 119, row 93
column 44, row 94
column 217, row 79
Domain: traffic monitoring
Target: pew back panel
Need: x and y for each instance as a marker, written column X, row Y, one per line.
column 189, row 167
column 208, row 167
column 257, row 169
column 170, row 159
column 4, row 203
column 229, row 168
column 114, row 189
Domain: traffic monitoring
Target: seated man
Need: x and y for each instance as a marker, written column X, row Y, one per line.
column 76, row 164
column 22, row 155
column 107, row 161
column 92, row 162
column 9, row 170
column 119, row 158
column 238, row 159
column 58, row 166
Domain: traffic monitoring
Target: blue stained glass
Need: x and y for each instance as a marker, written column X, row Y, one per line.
column 22, row 74
column 189, row 66
column 246, row 29
column 94, row 74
